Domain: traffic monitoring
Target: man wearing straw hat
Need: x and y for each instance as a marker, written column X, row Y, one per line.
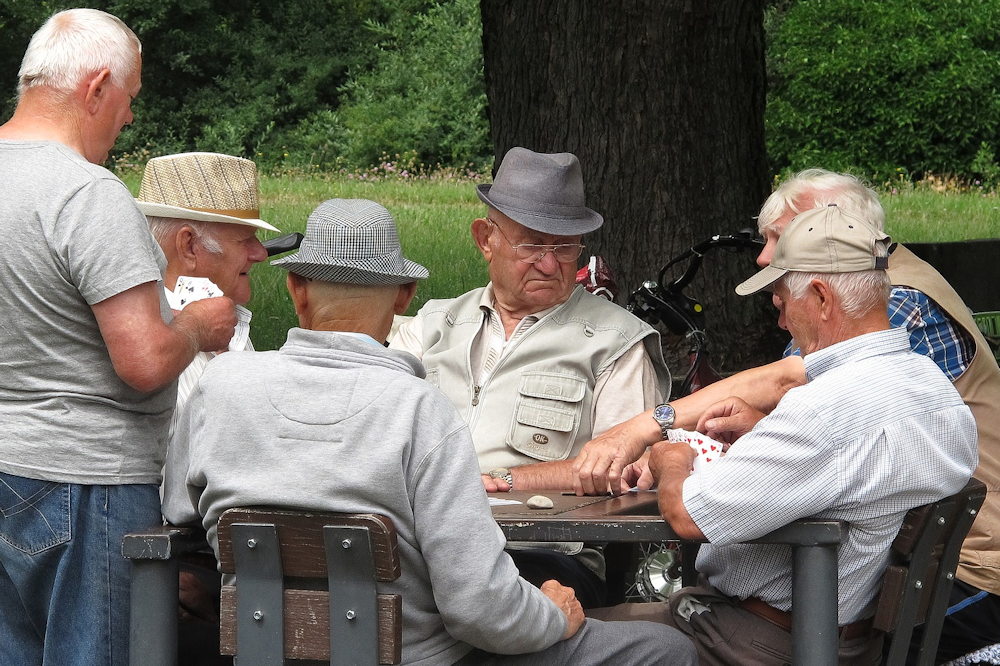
column 204, row 211
column 875, row 431
column 334, row 421
column 536, row 365
column 89, row 365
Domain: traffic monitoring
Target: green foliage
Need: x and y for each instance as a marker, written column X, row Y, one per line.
column 876, row 85
column 425, row 94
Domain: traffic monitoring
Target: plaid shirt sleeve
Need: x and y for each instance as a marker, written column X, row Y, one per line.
column 932, row 332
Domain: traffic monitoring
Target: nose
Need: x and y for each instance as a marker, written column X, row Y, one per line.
column 548, row 264
column 765, row 256
column 256, row 252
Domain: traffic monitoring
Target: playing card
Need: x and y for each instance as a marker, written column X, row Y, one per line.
column 190, row 289
column 707, row 448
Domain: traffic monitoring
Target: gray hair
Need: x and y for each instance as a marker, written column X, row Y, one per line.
column 859, row 292
column 822, row 188
column 163, row 228
column 77, row 42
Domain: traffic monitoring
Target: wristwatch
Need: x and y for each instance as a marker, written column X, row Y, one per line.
column 664, row 415
column 504, row 475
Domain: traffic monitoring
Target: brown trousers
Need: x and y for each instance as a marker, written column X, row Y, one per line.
column 727, row 634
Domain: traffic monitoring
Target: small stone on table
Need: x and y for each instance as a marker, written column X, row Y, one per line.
column 539, row 502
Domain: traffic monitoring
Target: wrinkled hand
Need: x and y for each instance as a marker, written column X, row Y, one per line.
column 494, row 485
column 598, row 467
column 728, row 420
column 565, row 598
column 637, row 475
column 671, row 458
column 212, row 322
column 195, row 599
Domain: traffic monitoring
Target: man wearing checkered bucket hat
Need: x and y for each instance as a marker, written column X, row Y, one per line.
column 335, row 421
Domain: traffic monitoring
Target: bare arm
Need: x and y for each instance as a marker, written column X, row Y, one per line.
column 601, row 461
column 146, row 352
column 554, row 475
column 670, row 464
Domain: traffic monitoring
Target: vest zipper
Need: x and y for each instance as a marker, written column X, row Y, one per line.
column 475, row 395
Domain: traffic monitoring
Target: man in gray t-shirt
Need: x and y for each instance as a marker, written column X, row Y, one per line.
column 89, row 362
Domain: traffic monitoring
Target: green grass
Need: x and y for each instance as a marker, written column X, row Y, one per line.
column 434, row 217
column 922, row 215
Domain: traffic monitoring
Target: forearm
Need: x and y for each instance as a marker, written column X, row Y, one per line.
column 670, row 501
column 554, row 475
column 761, row 387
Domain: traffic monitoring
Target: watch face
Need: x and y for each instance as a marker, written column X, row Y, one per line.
column 664, row 415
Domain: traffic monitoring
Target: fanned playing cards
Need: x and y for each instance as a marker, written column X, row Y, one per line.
column 707, row 448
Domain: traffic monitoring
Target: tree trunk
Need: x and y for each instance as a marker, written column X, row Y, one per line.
column 663, row 102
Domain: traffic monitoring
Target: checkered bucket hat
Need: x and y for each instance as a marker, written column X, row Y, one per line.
column 352, row 241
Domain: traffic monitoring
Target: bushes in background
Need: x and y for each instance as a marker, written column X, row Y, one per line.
column 879, row 86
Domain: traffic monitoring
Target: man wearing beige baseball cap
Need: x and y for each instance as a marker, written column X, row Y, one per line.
column 876, row 430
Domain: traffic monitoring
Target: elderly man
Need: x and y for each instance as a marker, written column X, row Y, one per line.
column 204, row 211
column 272, row 428
column 89, row 365
column 534, row 364
column 940, row 327
column 875, row 431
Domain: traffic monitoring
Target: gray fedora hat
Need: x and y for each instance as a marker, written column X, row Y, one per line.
column 352, row 241
column 542, row 191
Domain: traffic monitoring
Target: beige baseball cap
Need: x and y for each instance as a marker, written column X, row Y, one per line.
column 823, row 240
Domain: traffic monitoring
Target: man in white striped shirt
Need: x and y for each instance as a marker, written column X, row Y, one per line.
column 875, row 431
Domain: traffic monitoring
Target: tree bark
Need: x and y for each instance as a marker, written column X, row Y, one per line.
column 663, row 102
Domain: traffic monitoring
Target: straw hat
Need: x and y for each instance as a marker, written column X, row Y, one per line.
column 822, row 240
column 352, row 241
column 542, row 191
column 205, row 187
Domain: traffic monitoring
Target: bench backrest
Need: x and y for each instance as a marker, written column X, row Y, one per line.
column 305, row 587
column 918, row 581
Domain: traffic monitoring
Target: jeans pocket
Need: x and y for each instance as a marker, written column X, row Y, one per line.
column 34, row 514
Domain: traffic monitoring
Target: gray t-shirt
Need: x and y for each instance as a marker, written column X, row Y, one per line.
column 71, row 236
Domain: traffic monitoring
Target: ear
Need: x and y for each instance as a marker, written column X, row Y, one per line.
column 826, row 299
column 184, row 249
column 299, row 292
column 481, row 230
column 404, row 296
column 97, row 90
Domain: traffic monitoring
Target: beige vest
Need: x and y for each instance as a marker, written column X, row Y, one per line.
column 536, row 405
column 979, row 564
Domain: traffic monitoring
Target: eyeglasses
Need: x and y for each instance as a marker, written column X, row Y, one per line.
column 531, row 253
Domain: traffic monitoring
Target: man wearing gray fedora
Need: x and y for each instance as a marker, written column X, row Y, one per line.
column 334, row 421
column 536, row 365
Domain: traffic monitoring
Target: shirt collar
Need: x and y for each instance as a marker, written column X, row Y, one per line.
column 889, row 341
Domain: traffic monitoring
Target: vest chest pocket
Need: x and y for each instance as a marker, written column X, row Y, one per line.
column 547, row 415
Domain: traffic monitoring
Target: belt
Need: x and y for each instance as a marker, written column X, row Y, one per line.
column 783, row 619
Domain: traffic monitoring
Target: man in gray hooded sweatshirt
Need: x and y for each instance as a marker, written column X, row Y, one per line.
column 334, row 421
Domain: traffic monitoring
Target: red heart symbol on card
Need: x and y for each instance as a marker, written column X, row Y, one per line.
column 708, row 460
column 704, row 450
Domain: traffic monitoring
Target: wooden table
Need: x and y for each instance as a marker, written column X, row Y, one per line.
column 633, row 517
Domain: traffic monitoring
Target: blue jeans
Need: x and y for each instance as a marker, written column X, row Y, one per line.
column 64, row 585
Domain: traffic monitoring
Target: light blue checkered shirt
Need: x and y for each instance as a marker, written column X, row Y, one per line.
column 875, row 431
column 931, row 331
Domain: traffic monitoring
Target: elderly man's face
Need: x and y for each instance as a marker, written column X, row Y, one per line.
column 230, row 269
column 114, row 115
column 771, row 235
column 799, row 316
column 527, row 287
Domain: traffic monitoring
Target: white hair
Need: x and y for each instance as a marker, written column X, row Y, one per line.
column 814, row 188
column 74, row 43
column 163, row 228
column 860, row 292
